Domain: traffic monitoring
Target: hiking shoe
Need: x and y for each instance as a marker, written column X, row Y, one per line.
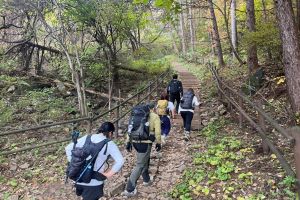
column 163, row 139
column 149, row 182
column 186, row 136
column 129, row 194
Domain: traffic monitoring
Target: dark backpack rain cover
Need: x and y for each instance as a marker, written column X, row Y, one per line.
column 174, row 87
column 187, row 100
column 138, row 126
column 81, row 167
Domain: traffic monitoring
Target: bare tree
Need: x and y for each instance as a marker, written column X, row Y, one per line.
column 182, row 30
column 233, row 24
column 291, row 50
column 191, row 24
column 216, row 34
column 252, row 59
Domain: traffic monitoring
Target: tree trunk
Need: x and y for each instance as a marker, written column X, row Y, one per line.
column 291, row 50
column 182, row 31
column 298, row 15
column 252, row 59
column 192, row 31
column 233, row 25
column 269, row 53
column 216, row 36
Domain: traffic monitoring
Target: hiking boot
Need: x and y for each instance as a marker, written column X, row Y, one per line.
column 129, row 194
column 163, row 139
column 149, row 182
column 186, row 136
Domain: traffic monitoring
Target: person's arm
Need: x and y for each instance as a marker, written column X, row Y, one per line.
column 171, row 107
column 181, row 88
column 195, row 101
column 116, row 155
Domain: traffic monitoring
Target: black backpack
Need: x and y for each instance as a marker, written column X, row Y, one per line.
column 186, row 101
column 81, row 167
column 138, row 126
column 174, row 86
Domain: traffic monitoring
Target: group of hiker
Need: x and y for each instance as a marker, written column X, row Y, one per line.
column 148, row 124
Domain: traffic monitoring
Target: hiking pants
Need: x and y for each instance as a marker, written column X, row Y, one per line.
column 142, row 167
column 89, row 192
column 176, row 97
column 165, row 125
column 187, row 117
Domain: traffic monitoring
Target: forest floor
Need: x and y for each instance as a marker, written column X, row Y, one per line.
column 221, row 161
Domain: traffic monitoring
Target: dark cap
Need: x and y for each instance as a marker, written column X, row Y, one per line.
column 151, row 105
column 106, row 127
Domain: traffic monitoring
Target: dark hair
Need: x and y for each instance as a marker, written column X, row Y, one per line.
column 164, row 96
column 191, row 90
column 175, row 76
column 106, row 127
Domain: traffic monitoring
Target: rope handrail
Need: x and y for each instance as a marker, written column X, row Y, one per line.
column 162, row 75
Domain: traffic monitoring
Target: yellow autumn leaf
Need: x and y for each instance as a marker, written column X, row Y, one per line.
column 273, row 156
column 240, row 198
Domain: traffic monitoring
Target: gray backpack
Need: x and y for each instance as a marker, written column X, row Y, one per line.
column 187, row 100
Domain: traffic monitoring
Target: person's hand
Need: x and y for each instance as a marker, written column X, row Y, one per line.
column 158, row 147
column 129, row 146
column 152, row 137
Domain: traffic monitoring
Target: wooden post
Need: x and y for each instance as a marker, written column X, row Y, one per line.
column 262, row 125
column 149, row 92
column 157, row 87
column 240, row 114
column 229, row 103
column 138, row 97
column 296, row 135
column 118, row 116
column 90, row 123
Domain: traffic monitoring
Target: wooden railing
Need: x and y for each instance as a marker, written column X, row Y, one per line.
column 292, row 135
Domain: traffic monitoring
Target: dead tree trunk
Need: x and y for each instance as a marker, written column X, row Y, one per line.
column 182, row 31
column 291, row 50
column 252, row 59
column 233, row 25
column 269, row 53
column 216, row 34
column 192, row 30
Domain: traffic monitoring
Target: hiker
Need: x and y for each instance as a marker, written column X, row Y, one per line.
column 175, row 91
column 165, row 109
column 93, row 189
column 143, row 149
column 187, row 105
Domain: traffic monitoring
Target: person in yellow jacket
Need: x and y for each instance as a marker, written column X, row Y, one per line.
column 143, row 149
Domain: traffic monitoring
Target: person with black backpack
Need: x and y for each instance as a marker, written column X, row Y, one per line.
column 175, row 91
column 87, row 157
column 187, row 105
column 143, row 129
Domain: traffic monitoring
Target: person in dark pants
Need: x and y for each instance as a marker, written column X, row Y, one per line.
column 143, row 149
column 175, row 91
column 94, row 189
column 187, row 105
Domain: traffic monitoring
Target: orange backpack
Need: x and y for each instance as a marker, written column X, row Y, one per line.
column 162, row 106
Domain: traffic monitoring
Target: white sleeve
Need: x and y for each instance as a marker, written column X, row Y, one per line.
column 171, row 106
column 80, row 143
column 116, row 155
column 195, row 101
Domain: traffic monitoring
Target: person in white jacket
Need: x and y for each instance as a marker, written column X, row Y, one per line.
column 187, row 105
column 94, row 189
